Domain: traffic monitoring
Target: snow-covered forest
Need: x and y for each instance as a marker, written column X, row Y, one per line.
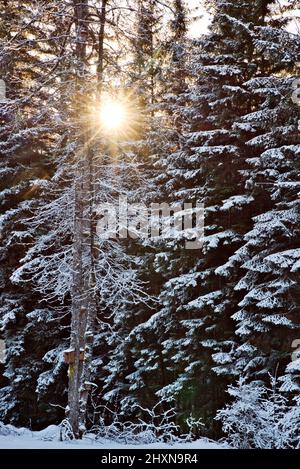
column 183, row 334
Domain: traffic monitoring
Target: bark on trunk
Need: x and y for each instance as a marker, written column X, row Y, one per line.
column 80, row 199
column 84, row 307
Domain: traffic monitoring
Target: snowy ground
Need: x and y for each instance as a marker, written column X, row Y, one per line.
column 22, row 438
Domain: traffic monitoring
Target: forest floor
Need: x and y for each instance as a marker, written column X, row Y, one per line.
column 22, row 438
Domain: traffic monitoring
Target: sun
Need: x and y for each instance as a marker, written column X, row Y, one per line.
column 116, row 117
column 112, row 115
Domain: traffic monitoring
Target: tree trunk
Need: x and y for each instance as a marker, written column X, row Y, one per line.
column 84, row 307
column 79, row 304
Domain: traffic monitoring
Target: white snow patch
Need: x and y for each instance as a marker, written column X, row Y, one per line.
column 22, row 438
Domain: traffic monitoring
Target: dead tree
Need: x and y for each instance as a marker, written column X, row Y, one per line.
column 84, row 282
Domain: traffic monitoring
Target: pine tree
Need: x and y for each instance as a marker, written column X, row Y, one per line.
column 25, row 146
column 257, row 418
column 268, row 258
column 206, row 167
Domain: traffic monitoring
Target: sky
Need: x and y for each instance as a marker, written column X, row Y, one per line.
column 199, row 26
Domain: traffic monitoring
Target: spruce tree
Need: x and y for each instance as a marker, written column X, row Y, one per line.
column 206, row 168
column 266, row 318
column 26, row 164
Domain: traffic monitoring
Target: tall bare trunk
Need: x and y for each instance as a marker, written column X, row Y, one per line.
column 79, row 303
column 84, row 306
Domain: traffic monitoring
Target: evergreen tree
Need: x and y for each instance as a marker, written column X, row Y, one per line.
column 25, row 166
column 268, row 258
column 257, row 418
column 206, row 168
